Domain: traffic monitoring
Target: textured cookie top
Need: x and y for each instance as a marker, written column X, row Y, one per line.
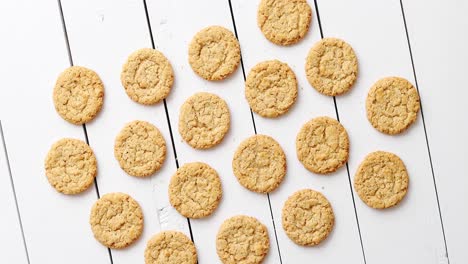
column 392, row 105
column 331, row 66
column 70, row 166
column 214, row 53
column 116, row 220
column 147, row 76
column 381, row 180
column 259, row 164
column 322, row 145
column 78, row 95
column 271, row 88
column 170, row 247
column 140, row 149
column 242, row 239
column 284, row 22
column 204, row 120
column 195, row 190
column 307, row 217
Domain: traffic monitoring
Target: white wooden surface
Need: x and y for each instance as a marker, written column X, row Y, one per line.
column 102, row 33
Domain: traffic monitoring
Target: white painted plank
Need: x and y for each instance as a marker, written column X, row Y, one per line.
column 174, row 23
column 345, row 236
column 411, row 232
column 33, row 54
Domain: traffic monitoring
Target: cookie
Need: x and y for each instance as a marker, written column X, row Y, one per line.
column 271, row 88
column 214, row 53
column 392, row 105
column 116, row 220
column 259, row 164
column 381, row 180
column 307, row 217
column 331, row 66
column 204, row 120
column 170, row 247
column 242, row 239
column 195, row 190
column 322, row 145
column 70, row 166
column 78, row 95
column 284, row 22
column 140, row 149
column 147, row 76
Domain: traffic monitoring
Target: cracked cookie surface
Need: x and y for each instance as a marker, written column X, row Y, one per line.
column 381, row 180
column 307, row 217
column 259, row 164
column 140, row 149
column 204, row 120
column 170, row 247
column 70, row 166
column 78, row 95
column 392, row 105
column 147, row 76
column 271, row 88
column 214, row 53
column 322, row 145
column 242, row 239
column 116, row 220
column 331, row 66
column 195, row 190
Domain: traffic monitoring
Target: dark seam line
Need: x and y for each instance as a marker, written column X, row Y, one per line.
column 166, row 109
column 255, row 130
column 425, row 130
column 14, row 191
column 70, row 58
column 347, row 166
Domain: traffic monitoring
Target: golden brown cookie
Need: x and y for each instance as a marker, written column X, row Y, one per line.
column 170, row 247
column 271, row 88
column 214, row 53
column 70, row 166
column 284, row 22
column 116, row 220
column 78, row 95
column 195, row 190
column 307, row 217
column 331, row 66
column 147, row 76
column 140, row 149
column 204, row 120
column 381, row 180
column 322, row 145
column 242, row 239
column 259, row 164
column 392, row 105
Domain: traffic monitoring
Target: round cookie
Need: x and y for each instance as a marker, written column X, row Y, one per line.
column 195, row 190
column 78, row 95
column 271, row 88
column 147, row 76
column 381, row 180
column 322, row 145
column 307, row 217
column 214, row 53
column 204, row 120
column 331, row 66
column 284, row 22
column 392, row 105
column 70, row 166
column 116, row 220
column 259, row 164
column 170, row 247
column 242, row 239
column 140, row 149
